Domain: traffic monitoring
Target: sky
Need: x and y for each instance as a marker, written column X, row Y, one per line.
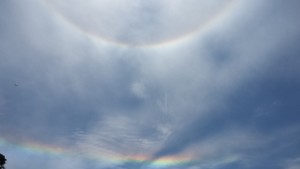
column 156, row 84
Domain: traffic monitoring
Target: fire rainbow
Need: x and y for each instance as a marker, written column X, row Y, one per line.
column 37, row 148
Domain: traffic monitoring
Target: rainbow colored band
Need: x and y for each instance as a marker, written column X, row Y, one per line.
column 197, row 30
column 33, row 147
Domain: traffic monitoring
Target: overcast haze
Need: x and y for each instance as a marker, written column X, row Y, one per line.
column 150, row 84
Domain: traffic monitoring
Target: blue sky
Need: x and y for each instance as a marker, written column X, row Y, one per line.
column 132, row 84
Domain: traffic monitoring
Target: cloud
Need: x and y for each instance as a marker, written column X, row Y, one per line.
column 139, row 89
column 225, row 96
column 251, row 53
column 292, row 164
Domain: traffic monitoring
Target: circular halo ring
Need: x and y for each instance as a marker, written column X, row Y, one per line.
column 178, row 37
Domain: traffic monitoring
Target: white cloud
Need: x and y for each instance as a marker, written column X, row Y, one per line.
column 121, row 135
column 139, row 89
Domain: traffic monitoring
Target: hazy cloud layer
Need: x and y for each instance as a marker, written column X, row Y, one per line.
column 108, row 84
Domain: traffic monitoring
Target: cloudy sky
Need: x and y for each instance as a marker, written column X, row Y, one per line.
column 150, row 84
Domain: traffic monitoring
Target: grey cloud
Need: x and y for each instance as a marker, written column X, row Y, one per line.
column 223, row 94
column 248, row 52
